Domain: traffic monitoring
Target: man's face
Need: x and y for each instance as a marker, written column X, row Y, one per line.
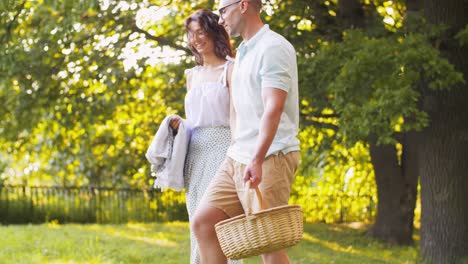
column 229, row 17
column 225, row 3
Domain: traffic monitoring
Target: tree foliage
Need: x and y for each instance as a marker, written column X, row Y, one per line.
column 73, row 110
column 373, row 83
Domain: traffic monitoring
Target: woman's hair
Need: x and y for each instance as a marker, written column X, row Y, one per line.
column 209, row 23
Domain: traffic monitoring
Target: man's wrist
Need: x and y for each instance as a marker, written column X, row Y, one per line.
column 258, row 159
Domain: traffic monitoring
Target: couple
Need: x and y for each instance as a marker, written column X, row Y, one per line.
column 254, row 101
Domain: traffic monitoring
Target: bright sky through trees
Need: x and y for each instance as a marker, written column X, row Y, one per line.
column 139, row 48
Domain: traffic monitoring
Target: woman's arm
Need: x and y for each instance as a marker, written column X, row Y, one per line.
column 174, row 123
column 232, row 111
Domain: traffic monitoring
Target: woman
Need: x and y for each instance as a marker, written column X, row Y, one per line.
column 207, row 108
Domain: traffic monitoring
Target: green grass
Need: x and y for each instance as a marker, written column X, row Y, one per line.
column 169, row 243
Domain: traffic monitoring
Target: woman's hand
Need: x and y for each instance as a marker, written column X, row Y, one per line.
column 174, row 123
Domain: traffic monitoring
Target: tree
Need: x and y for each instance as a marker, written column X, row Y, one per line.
column 444, row 144
column 371, row 81
column 387, row 88
column 398, row 86
column 70, row 102
column 395, row 174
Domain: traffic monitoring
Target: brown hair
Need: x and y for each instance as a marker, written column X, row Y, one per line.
column 209, row 23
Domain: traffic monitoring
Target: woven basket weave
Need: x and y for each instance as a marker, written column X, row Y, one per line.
column 262, row 232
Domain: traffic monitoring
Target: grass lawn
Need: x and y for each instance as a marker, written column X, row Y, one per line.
column 169, row 243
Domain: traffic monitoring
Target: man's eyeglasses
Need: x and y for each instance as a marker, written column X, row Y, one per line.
column 222, row 11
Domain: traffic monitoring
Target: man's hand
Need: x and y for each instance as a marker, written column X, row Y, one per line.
column 273, row 100
column 253, row 172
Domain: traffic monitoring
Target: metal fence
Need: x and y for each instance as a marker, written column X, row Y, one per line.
column 38, row 204
column 35, row 204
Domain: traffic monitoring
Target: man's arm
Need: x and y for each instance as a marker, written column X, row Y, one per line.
column 273, row 101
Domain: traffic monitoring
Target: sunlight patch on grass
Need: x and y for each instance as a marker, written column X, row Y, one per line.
column 169, row 243
column 135, row 232
column 331, row 245
column 53, row 224
column 138, row 226
column 178, row 224
column 153, row 241
column 357, row 225
column 88, row 261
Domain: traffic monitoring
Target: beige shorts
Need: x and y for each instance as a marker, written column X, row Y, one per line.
column 227, row 190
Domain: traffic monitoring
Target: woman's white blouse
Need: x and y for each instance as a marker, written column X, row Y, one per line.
column 207, row 104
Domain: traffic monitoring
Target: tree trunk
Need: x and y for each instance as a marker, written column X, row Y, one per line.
column 444, row 149
column 444, row 181
column 414, row 5
column 410, row 171
column 396, row 185
column 351, row 13
column 396, row 192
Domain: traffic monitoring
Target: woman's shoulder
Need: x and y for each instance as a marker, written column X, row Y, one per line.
column 189, row 73
column 191, row 70
column 230, row 60
column 229, row 64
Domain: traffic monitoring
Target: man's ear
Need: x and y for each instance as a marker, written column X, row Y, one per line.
column 243, row 6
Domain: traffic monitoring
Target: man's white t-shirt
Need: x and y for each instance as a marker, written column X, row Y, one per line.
column 265, row 61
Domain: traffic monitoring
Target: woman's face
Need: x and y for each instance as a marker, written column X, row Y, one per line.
column 199, row 39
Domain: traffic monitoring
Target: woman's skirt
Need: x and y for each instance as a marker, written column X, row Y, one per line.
column 207, row 150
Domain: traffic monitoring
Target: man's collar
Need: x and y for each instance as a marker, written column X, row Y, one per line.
column 252, row 41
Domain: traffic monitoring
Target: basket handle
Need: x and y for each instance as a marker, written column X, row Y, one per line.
column 248, row 200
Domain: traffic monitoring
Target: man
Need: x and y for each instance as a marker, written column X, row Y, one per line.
column 265, row 149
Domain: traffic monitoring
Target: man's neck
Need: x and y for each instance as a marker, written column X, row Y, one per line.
column 253, row 27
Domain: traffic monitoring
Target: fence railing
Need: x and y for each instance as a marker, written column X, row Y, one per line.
column 34, row 204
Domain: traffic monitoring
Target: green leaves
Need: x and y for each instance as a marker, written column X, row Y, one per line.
column 81, row 93
column 68, row 101
column 374, row 82
column 462, row 36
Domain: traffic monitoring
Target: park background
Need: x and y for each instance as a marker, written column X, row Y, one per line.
column 384, row 128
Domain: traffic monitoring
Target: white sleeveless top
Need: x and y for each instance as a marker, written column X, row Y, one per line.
column 207, row 104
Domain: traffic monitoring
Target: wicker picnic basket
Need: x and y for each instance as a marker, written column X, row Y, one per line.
column 265, row 231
